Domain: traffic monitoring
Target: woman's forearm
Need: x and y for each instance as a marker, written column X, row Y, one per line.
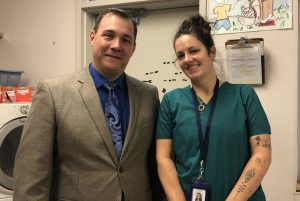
column 169, row 179
column 250, row 178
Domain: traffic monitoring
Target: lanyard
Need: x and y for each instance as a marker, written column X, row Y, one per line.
column 204, row 142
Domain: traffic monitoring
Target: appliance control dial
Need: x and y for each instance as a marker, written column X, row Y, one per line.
column 24, row 109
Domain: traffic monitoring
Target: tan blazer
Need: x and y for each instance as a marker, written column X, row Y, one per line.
column 67, row 153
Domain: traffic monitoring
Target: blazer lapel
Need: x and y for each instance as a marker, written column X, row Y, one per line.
column 89, row 94
column 134, row 105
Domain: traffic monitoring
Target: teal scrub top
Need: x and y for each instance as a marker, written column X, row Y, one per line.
column 238, row 115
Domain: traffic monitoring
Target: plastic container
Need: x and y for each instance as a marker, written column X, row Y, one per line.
column 10, row 78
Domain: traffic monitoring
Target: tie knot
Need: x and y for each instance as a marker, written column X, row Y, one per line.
column 110, row 85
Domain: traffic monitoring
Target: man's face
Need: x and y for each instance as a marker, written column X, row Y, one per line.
column 112, row 45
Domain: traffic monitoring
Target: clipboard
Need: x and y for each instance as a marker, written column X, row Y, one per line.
column 245, row 61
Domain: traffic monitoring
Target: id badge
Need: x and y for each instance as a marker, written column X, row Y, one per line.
column 200, row 190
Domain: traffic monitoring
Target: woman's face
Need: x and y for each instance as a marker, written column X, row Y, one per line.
column 193, row 57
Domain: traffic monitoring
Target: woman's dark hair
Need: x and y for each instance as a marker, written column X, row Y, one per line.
column 121, row 13
column 197, row 26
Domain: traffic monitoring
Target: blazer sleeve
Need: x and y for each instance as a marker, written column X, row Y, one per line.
column 33, row 164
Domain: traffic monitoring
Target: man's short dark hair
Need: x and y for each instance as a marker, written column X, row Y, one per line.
column 121, row 13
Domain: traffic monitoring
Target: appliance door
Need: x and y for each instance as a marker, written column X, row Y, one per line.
column 10, row 136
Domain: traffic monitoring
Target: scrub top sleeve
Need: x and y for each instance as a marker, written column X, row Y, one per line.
column 257, row 121
column 164, row 124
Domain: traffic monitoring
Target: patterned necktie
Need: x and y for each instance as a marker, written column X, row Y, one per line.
column 112, row 114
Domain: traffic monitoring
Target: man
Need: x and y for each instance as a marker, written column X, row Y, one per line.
column 69, row 148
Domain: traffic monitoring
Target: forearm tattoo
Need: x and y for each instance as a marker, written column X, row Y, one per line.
column 248, row 176
column 257, row 160
column 251, row 173
column 262, row 142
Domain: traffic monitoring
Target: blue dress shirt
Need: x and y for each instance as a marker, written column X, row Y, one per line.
column 121, row 92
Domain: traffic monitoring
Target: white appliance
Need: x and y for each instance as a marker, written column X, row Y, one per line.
column 12, row 120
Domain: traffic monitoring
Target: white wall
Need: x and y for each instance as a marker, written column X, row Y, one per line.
column 39, row 38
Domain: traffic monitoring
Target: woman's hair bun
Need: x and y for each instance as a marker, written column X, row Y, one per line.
column 199, row 21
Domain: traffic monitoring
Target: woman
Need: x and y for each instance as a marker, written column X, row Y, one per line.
column 220, row 125
column 198, row 197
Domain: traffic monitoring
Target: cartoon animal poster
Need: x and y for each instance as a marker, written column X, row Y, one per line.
column 233, row 16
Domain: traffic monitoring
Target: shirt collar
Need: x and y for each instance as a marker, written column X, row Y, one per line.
column 100, row 80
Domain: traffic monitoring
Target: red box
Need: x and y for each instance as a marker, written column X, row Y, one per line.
column 23, row 94
column 0, row 94
column 8, row 94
